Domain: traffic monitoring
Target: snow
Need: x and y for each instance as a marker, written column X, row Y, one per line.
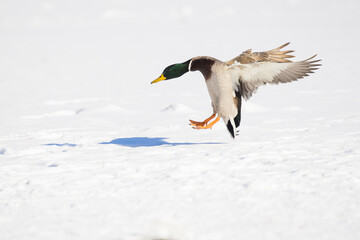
column 90, row 150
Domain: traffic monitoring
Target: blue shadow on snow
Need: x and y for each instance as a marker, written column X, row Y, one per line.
column 148, row 142
column 61, row 144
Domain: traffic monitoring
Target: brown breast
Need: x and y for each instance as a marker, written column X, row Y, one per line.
column 202, row 64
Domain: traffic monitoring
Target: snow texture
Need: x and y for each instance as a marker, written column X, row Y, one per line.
column 90, row 150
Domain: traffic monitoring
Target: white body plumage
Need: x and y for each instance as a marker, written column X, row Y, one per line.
column 221, row 91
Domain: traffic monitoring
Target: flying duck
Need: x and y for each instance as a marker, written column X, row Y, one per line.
column 230, row 82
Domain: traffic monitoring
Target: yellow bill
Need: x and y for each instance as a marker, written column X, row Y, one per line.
column 159, row 79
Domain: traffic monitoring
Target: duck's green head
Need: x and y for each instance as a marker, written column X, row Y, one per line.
column 173, row 71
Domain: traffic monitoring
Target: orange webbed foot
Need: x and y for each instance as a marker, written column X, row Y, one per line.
column 209, row 125
column 201, row 124
column 204, row 124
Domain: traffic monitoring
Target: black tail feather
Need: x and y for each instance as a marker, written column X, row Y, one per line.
column 230, row 128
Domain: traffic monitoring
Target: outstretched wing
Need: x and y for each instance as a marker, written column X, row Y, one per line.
column 273, row 69
column 274, row 55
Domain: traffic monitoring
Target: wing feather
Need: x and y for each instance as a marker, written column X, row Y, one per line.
column 273, row 55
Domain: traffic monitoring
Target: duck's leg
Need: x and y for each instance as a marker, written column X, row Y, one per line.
column 209, row 125
column 202, row 124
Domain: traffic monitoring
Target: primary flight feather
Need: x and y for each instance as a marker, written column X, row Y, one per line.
column 230, row 82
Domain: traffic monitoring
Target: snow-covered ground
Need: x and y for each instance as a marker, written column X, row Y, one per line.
column 90, row 150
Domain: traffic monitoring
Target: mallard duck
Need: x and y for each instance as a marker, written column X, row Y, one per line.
column 230, row 82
